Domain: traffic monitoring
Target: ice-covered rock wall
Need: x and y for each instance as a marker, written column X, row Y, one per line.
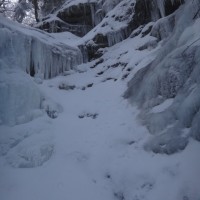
column 167, row 90
column 36, row 52
column 113, row 28
column 113, row 21
column 93, row 19
column 25, row 51
column 166, row 7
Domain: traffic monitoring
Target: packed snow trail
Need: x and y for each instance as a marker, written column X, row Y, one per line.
column 98, row 150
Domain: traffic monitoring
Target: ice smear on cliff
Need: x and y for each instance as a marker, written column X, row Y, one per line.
column 173, row 75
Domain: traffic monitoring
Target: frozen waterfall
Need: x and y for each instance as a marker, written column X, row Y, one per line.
column 36, row 52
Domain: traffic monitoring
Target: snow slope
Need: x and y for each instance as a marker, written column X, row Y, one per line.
column 93, row 150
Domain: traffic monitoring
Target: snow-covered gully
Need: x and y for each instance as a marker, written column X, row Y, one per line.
column 96, row 149
column 112, row 115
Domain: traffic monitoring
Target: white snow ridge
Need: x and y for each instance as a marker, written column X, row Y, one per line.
column 106, row 106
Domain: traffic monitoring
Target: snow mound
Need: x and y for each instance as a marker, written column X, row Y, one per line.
column 51, row 108
column 31, row 152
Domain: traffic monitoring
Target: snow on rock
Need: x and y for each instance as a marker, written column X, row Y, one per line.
column 105, row 23
column 35, row 51
column 116, row 20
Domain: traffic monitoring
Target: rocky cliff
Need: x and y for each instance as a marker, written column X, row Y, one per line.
column 108, row 22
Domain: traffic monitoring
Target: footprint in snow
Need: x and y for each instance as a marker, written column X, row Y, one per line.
column 88, row 86
column 64, row 86
column 108, row 79
column 88, row 115
column 78, row 156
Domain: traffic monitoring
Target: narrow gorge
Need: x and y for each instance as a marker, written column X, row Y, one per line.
column 101, row 100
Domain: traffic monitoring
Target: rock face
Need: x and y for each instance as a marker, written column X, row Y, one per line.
column 109, row 22
column 80, row 14
column 171, row 6
column 147, row 11
column 98, row 42
column 142, row 13
column 107, row 28
column 78, row 19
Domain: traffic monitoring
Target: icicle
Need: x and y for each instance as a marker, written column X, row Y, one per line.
column 92, row 8
column 115, row 37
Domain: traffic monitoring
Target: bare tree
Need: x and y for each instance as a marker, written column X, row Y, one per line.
column 20, row 10
column 36, row 9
